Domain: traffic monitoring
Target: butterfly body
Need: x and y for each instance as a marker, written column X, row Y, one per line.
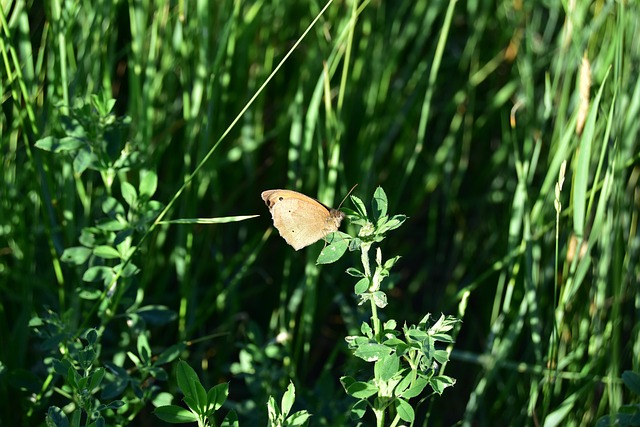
column 301, row 220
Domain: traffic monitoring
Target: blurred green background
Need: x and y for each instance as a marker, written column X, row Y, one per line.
column 462, row 111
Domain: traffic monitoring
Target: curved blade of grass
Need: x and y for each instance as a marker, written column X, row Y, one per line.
column 219, row 220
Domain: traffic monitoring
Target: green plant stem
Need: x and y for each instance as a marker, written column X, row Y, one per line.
column 379, row 416
column 364, row 257
column 375, row 321
column 396, row 421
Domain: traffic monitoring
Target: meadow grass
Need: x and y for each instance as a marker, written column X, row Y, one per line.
column 117, row 115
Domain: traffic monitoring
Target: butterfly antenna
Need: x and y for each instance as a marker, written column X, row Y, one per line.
column 345, row 197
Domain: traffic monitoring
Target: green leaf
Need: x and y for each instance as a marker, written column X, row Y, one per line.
column 48, row 143
column 99, row 422
column 337, row 245
column 390, row 325
column 86, row 357
column 83, row 160
column 88, row 236
column 388, row 264
column 442, row 337
column 193, row 405
column 148, row 184
column 129, row 270
column 359, row 409
column 372, row 351
column 59, row 145
column 381, row 222
column 299, row 418
column 441, row 356
column 416, row 334
column 359, row 204
column 112, row 207
column 175, row 414
column 189, row 383
column 365, row 328
column 380, row 299
column 231, row 420
column 88, row 294
column 217, row 395
column 119, row 383
column 106, row 252
column 355, row 341
column 73, row 378
column 386, row 367
column 379, row 204
column 135, row 359
column 400, row 346
column 95, row 379
column 288, row 399
column 558, row 416
column 144, row 350
column 162, row 399
column 91, row 336
column 408, row 388
column 129, row 193
column 632, row 381
column 155, row 207
column 355, row 244
column 391, row 224
column 157, row 315
column 361, row 390
column 116, row 404
column 98, row 273
column 76, row 255
column 71, row 125
column 273, row 411
column 439, row 323
column 362, row 286
column 35, row 322
column 354, row 272
column 439, row 383
column 107, row 224
column 56, row 417
column 405, row 410
column 103, row 104
column 347, row 381
column 394, row 342
column 158, row 373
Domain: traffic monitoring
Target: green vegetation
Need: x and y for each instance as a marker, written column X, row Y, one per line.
column 136, row 138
